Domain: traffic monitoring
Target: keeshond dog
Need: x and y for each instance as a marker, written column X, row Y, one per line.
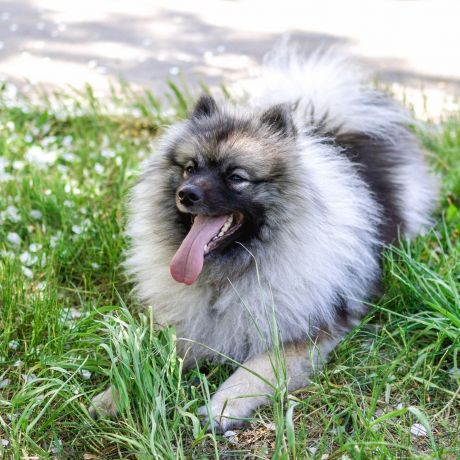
column 274, row 211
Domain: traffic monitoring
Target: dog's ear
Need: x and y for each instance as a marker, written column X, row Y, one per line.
column 205, row 106
column 279, row 119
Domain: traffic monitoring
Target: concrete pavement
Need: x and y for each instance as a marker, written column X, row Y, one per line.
column 412, row 45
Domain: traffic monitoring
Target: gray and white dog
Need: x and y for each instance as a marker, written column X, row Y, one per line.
column 274, row 210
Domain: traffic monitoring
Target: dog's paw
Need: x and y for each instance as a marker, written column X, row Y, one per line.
column 226, row 414
column 104, row 404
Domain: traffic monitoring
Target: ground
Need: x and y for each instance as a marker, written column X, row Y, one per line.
column 56, row 44
column 69, row 324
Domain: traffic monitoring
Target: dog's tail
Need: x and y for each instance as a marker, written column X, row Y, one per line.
column 328, row 90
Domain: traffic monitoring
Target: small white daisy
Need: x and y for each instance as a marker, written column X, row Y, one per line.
column 36, row 214
column 86, row 375
column 13, row 344
column 12, row 214
column 39, row 157
column 99, row 168
column 108, row 153
column 14, row 238
column 28, row 259
column 76, row 229
column 18, row 165
column 27, row 272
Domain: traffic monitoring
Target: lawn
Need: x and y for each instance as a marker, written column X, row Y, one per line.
column 68, row 323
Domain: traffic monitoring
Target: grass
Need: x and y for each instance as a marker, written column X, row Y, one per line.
column 68, row 323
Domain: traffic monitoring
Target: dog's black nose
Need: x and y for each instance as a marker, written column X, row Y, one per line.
column 190, row 195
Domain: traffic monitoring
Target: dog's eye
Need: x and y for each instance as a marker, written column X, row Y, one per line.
column 236, row 178
column 189, row 168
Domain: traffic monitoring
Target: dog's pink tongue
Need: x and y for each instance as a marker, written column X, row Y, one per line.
column 187, row 263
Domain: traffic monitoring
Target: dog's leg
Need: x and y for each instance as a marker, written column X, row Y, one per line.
column 250, row 386
column 104, row 404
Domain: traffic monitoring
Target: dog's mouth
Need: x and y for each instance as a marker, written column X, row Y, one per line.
column 206, row 235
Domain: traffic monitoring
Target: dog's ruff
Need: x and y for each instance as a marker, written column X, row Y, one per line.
column 352, row 178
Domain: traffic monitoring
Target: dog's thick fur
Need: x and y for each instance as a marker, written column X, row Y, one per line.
column 333, row 174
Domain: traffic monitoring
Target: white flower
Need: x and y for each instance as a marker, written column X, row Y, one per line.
column 56, row 446
column 18, row 165
column 27, row 272
column 107, row 153
column 29, row 378
column 418, row 429
column 95, row 265
column 12, row 214
column 67, row 141
column 13, row 344
column 41, row 286
column 35, row 247
column 54, row 239
column 14, row 238
column 28, row 138
column 39, row 157
column 99, row 168
column 86, row 375
column 74, row 313
column 28, row 259
column 399, row 406
column 5, row 442
column 4, row 163
column 48, row 140
column 454, row 373
column 4, row 176
column 18, row 363
column 67, row 203
column 69, row 156
column 77, row 229
column 36, row 214
column 4, row 383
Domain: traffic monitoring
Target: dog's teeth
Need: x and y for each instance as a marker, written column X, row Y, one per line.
column 221, row 233
column 205, row 248
column 227, row 225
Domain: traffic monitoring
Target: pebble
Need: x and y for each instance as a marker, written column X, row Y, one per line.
column 418, row 429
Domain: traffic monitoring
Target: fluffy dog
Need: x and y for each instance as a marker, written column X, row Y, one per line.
column 274, row 211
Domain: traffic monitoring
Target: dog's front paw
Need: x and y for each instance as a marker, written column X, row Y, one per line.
column 225, row 413
column 104, row 404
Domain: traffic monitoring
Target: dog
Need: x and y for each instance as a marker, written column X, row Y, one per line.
column 270, row 212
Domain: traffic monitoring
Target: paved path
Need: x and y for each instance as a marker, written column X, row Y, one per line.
column 55, row 43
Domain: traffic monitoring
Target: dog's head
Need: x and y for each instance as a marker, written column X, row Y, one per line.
column 229, row 175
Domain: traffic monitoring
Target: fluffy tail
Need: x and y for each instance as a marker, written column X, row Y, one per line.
column 328, row 90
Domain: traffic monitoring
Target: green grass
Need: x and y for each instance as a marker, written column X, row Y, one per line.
column 68, row 323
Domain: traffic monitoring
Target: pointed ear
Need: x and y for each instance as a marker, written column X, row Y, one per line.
column 204, row 107
column 279, row 120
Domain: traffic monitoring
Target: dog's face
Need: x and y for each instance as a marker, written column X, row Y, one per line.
column 227, row 174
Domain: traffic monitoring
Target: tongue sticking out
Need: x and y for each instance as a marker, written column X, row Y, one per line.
column 187, row 263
